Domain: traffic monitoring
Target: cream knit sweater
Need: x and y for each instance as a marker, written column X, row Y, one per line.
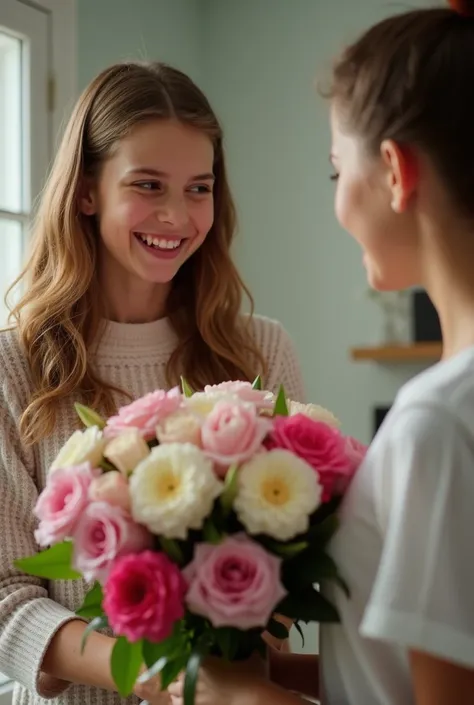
column 133, row 358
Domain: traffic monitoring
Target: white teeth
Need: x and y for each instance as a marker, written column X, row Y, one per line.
column 159, row 243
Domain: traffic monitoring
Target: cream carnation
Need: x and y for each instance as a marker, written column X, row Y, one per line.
column 173, row 490
column 315, row 412
column 277, row 492
column 82, row 447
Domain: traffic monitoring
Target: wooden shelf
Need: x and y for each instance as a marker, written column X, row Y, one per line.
column 417, row 352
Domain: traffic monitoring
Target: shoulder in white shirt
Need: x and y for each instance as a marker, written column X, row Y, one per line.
column 406, row 544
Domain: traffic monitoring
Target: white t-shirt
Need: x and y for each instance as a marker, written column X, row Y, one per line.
column 406, row 544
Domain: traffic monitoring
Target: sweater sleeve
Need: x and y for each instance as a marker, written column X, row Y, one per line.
column 283, row 366
column 28, row 618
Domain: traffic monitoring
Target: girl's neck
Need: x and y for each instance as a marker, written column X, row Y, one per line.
column 128, row 299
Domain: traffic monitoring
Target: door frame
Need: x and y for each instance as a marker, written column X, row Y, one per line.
column 62, row 59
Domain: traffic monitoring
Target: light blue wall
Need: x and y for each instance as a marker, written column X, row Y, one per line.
column 260, row 63
column 116, row 30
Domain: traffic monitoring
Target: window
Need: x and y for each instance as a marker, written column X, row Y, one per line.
column 13, row 215
column 35, row 54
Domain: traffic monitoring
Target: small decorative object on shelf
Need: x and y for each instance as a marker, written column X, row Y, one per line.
column 395, row 307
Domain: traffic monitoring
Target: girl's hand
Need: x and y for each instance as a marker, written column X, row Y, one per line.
column 223, row 682
column 151, row 692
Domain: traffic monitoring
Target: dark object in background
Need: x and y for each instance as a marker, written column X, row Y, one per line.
column 380, row 412
column 425, row 321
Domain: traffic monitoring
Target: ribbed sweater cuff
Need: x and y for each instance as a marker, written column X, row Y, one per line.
column 29, row 635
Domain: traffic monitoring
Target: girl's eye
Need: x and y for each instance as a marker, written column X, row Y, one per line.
column 200, row 189
column 334, row 177
column 148, row 185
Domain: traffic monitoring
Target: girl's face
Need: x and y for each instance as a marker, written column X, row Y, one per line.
column 154, row 202
column 371, row 204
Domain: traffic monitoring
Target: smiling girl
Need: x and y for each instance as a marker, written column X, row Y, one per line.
column 129, row 285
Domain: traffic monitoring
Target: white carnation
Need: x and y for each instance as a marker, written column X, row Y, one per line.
column 81, row 447
column 173, row 490
column 277, row 493
column 315, row 412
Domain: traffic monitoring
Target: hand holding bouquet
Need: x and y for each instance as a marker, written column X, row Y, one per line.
column 195, row 518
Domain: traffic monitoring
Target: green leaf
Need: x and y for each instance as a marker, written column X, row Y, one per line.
column 106, row 466
column 172, row 549
column 97, row 623
column 277, row 629
column 281, row 407
column 89, row 417
column 191, row 675
column 171, row 671
column 92, row 605
column 287, row 550
column 229, row 494
column 308, row 606
column 125, row 664
column 257, row 383
column 320, row 534
column 227, row 639
column 157, row 655
column 54, row 563
column 187, row 390
column 308, row 568
column 297, row 626
column 210, row 532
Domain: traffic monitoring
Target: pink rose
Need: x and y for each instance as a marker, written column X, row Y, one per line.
column 232, row 433
column 321, row 446
column 143, row 597
column 144, row 413
column 62, row 502
column 104, row 533
column 235, row 583
column 243, row 390
column 111, row 487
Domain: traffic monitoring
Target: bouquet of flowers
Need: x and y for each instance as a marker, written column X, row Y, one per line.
column 196, row 518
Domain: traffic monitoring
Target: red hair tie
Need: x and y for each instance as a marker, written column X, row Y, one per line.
column 463, row 7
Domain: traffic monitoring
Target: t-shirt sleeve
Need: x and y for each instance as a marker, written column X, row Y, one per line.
column 423, row 596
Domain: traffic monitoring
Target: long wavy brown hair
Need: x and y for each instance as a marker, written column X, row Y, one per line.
column 60, row 314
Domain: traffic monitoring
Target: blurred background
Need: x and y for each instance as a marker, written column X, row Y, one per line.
column 258, row 62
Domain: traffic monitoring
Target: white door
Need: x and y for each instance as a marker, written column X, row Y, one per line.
column 25, row 128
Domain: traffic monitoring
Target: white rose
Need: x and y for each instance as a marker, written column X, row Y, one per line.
column 202, row 403
column 126, row 450
column 315, row 412
column 173, row 490
column 277, row 493
column 181, row 427
column 82, row 447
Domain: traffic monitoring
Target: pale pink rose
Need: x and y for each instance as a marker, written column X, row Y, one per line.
column 144, row 413
column 103, row 534
column 111, row 487
column 243, row 390
column 181, row 427
column 232, row 433
column 61, row 503
column 321, row 446
column 143, row 596
column 234, row 584
column 126, row 450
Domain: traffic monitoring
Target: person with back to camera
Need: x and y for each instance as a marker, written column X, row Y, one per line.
column 130, row 284
column 402, row 113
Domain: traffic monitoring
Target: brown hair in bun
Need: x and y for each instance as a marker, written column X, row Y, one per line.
column 462, row 7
